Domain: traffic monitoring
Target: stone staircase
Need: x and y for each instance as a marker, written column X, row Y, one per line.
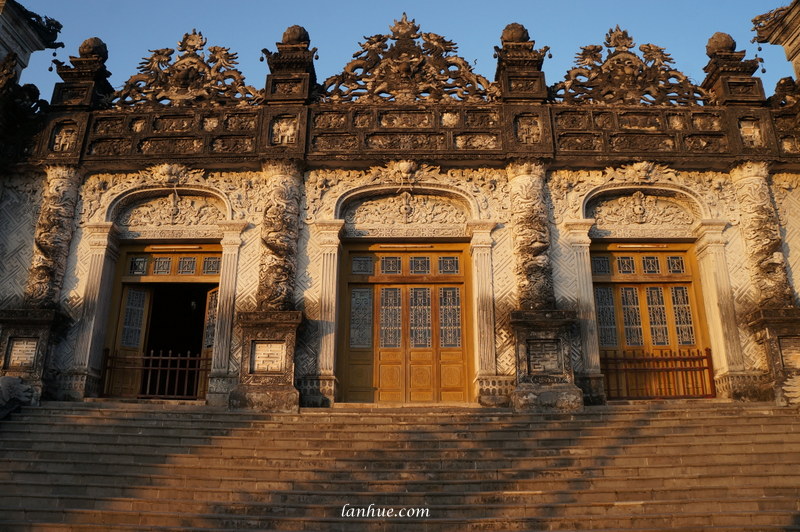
column 690, row 466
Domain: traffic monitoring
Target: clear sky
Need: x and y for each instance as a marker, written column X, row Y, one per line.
column 130, row 29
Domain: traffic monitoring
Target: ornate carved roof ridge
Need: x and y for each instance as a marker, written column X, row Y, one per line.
column 192, row 77
column 625, row 78
column 405, row 71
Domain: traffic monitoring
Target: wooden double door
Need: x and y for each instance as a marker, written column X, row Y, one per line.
column 404, row 337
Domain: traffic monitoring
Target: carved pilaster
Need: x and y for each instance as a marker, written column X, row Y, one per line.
column 481, row 250
column 53, row 236
column 327, row 234
column 531, row 236
column 87, row 365
column 279, row 232
column 591, row 381
column 761, row 232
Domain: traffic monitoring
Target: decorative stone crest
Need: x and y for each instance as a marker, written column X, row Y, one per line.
column 406, row 71
column 625, row 78
column 640, row 215
column 428, row 214
column 192, row 78
column 53, row 236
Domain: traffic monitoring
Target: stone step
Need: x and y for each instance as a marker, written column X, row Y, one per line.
column 552, row 480
column 15, row 507
column 668, row 521
column 283, row 463
column 66, row 491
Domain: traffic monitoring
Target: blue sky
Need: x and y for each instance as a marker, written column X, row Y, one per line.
column 130, row 29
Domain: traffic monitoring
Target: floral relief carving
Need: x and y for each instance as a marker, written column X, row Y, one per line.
column 487, row 187
column 406, row 208
column 172, row 210
column 712, row 190
column 641, row 215
column 242, row 190
column 52, row 237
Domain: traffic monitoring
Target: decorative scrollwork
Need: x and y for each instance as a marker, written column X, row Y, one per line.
column 191, row 79
column 625, row 78
column 406, row 71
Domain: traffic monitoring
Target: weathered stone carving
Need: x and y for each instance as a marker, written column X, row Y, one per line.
column 761, row 232
column 280, row 232
column 624, row 78
column 641, row 216
column 52, row 238
column 531, row 236
column 406, row 71
column 191, row 79
column 13, row 393
column 487, row 187
column 405, row 208
column 242, row 190
column 284, row 130
column 710, row 190
column 172, row 210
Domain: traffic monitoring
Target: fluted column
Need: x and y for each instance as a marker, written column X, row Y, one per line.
column 531, row 236
column 578, row 237
column 483, row 288
column 327, row 234
column 53, row 236
column 85, row 373
column 226, row 298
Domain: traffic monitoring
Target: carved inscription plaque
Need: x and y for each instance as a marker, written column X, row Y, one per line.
column 22, row 352
column 543, row 356
column 790, row 350
column 268, row 357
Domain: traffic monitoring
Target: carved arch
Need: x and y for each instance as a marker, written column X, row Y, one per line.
column 432, row 189
column 669, row 189
column 144, row 192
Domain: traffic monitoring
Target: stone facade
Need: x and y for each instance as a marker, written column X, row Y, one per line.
column 406, row 148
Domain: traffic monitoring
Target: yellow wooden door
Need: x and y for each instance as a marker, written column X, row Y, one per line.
column 124, row 378
column 651, row 334
column 404, row 340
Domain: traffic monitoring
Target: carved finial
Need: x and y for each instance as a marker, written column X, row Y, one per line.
column 94, row 47
column 296, row 35
column 405, row 29
column 619, row 40
column 720, row 42
column 514, row 33
column 192, row 42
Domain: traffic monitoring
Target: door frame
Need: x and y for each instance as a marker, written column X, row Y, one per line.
column 345, row 279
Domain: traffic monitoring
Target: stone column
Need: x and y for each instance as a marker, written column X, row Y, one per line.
column 84, row 377
column 531, row 236
column 280, row 232
column 25, row 333
column 327, row 235
column 221, row 382
column 490, row 389
column 775, row 320
column 545, row 381
column 53, row 237
column 591, row 382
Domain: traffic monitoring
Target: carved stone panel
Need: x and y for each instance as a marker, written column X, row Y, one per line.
column 405, row 214
column 641, row 215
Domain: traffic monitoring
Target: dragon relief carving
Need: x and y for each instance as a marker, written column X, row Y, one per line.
column 280, row 232
column 405, row 71
column 192, row 78
column 172, row 210
column 531, row 237
column 488, row 187
column 762, row 234
column 241, row 190
column 52, row 237
column 568, row 189
column 625, row 78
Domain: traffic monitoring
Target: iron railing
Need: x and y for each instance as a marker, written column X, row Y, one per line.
column 157, row 375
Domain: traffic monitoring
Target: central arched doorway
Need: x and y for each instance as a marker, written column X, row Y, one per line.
column 405, row 330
